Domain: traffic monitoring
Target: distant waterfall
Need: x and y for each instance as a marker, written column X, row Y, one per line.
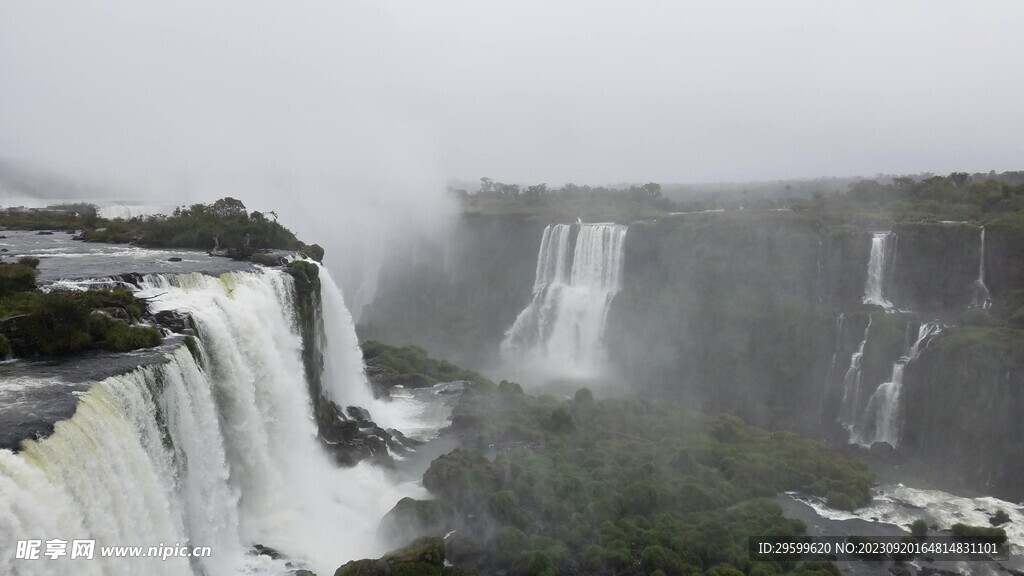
column 851, row 384
column 880, row 421
column 981, row 298
column 561, row 331
column 874, row 286
column 221, row 452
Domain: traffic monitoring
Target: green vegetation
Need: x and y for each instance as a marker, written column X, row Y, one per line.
column 621, row 486
column 424, row 557
column 37, row 323
column 225, row 227
column 919, row 529
column 968, row 533
column 411, row 367
column 568, row 202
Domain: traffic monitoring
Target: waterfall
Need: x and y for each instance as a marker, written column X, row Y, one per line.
column 561, row 331
column 851, row 383
column 981, row 298
column 220, row 452
column 832, row 362
column 880, row 421
column 874, row 286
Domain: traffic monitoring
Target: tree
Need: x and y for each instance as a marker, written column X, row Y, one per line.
column 228, row 208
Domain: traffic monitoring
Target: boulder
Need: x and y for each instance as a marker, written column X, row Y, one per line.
column 411, row 519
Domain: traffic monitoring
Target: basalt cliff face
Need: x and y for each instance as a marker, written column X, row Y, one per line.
column 859, row 332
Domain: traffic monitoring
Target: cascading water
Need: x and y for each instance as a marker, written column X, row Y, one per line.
column 874, row 286
column 832, row 362
column 880, row 421
column 851, row 384
column 981, row 298
column 561, row 332
column 220, row 453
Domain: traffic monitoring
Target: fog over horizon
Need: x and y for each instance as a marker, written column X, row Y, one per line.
column 198, row 100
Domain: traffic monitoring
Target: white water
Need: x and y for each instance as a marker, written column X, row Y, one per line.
column 874, row 286
column 851, row 384
column 561, row 332
column 344, row 377
column 981, row 297
column 901, row 505
column 880, row 421
column 221, row 455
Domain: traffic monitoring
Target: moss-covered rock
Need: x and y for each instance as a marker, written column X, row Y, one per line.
column 411, row 519
column 424, row 557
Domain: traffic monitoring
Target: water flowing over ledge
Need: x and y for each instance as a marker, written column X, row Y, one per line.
column 561, row 332
column 215, row 450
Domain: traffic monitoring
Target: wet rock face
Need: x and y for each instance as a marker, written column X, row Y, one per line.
column 351, row 436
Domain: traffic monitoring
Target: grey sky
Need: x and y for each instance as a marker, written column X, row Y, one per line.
column 191, row 95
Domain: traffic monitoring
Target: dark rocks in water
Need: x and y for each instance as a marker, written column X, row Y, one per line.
column 424, row 557
column 358, row 413
column 350, row 436
column 2, row 237
column 44, row 233
column 999, row 518
column 4, row 250
column 173, row 321
column 261, row 550
column 174, row 259
column 884, row 452
column 131, row 278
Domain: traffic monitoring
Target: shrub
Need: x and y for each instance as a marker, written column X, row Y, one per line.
column 124, row 337
column 919, row 528
column 17, row 278
column 978, row 533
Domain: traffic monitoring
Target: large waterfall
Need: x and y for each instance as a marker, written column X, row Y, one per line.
column 218, row 452
column 880, row 420
column 874, row 286
column 561, row 332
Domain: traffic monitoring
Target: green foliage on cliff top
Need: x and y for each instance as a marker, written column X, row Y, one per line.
column 409, row 362
column 597, row 203
column 630, row 483
column 61, row 322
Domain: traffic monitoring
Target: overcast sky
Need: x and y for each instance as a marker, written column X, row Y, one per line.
column 176, row 94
